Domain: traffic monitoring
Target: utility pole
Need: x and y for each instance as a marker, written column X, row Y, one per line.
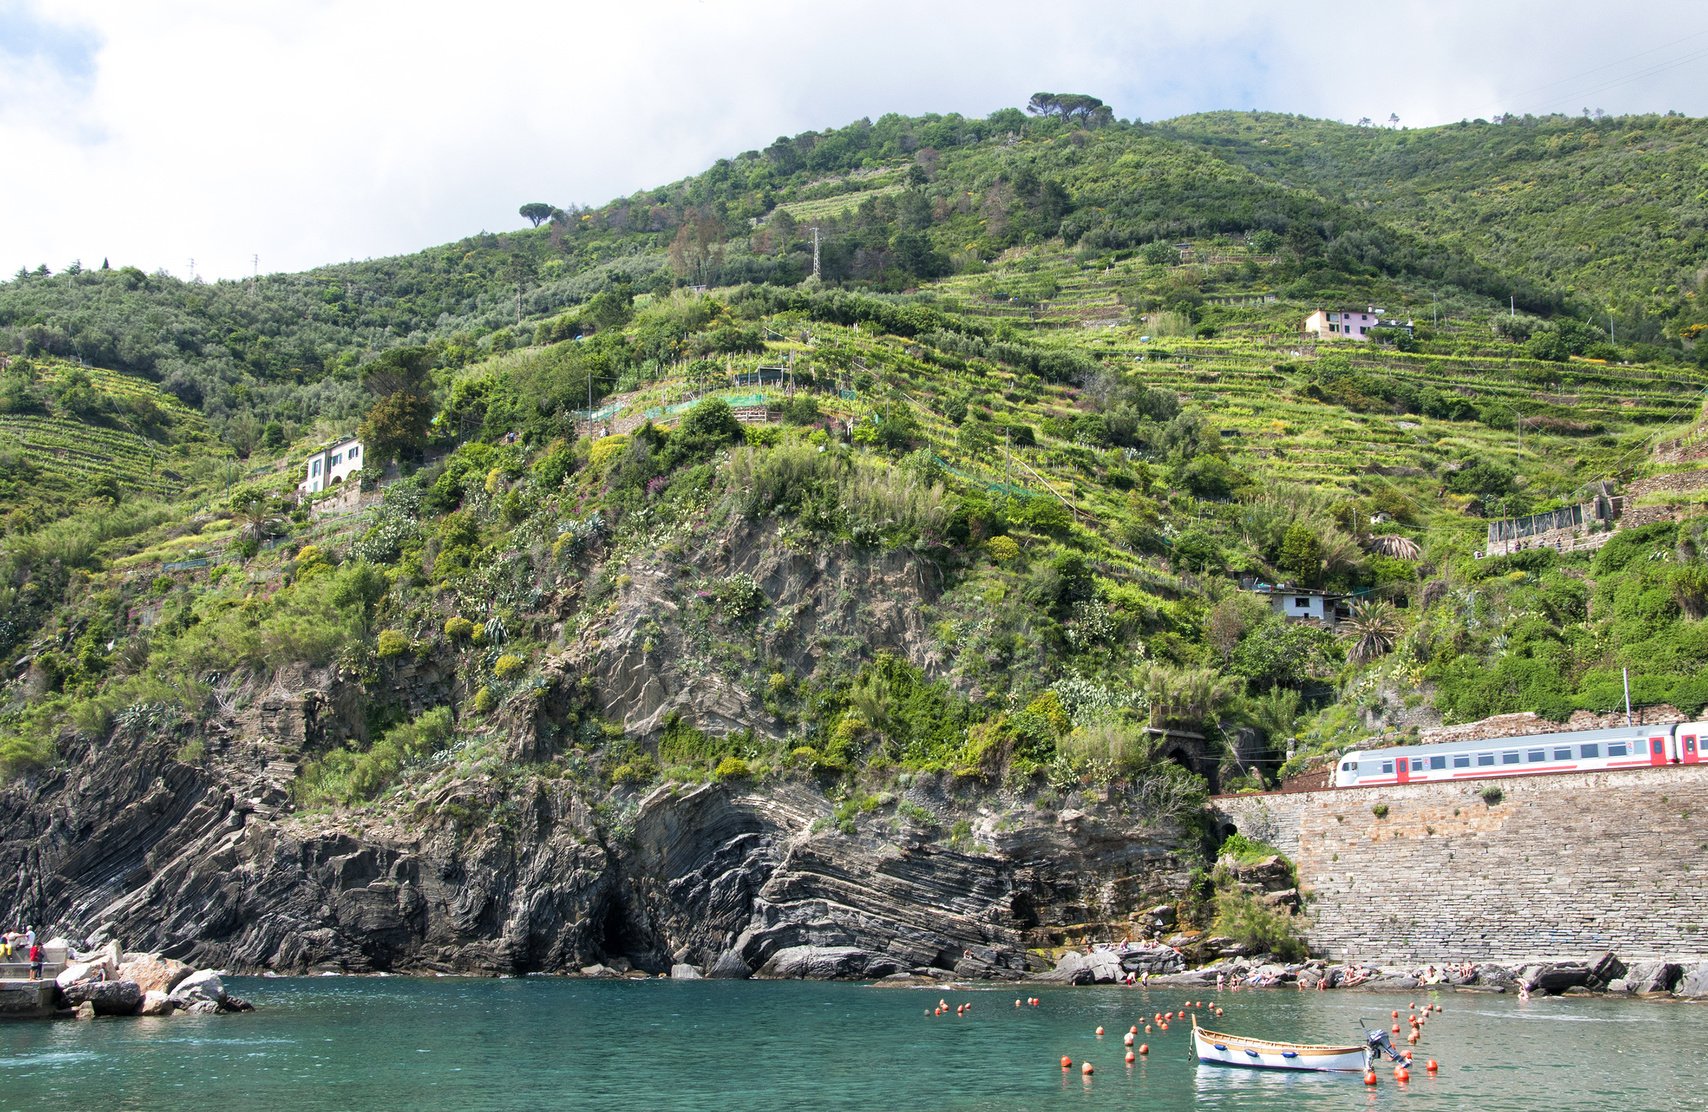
column 816, row 273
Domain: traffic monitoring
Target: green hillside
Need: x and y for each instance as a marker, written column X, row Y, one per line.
column 977, row 500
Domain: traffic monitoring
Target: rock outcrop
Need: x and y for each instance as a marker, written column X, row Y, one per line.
column 710, row 877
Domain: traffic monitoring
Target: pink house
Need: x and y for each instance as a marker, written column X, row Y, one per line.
column 1348, row 324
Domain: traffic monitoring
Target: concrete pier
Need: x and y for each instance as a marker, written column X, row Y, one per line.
column 26, row 999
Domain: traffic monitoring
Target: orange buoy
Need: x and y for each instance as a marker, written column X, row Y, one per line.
column 1127, row 1039
column 1401, row 1074
column 1100, row 1032
column 1369, row 1077
column 1147, row 1028
column 1220, row 1013
column 1412, row 1005
column 1088, row 1069
column 1017, row 1003
column 1133, row 1030
column 1130, row 1058
column 1067, row 1063
column 1396, row 1028
column 1412, row 1038
column 1164, row 1027
column 1431, row 1066
column 1144, row 1048
column 1396, row 1013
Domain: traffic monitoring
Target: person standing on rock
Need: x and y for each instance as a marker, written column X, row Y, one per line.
column 35, row 961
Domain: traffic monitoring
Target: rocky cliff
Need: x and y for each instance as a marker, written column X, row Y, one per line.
column 520, row 874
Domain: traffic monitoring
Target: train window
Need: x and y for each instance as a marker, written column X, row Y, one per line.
column 1485, row 759
column 1564, row 753
column 1615, row 749
column 1461, row 760
column 1689, row 743
column 1657, row 746
column 1346, row 766
column 1536, row 755
column 1387, row 767
column 1438, row 762
column 1591, row 749
column 1417, row 764
column 1510, row 757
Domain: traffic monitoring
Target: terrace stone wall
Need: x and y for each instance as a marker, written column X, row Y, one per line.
column 1558, row 866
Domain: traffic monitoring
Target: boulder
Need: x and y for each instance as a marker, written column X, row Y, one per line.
column 1161, row 918
column 77, row 973
column 1105, row 966
column 154, row 972
column 601, row 972
column 1552, row 980
column 1662, row 976
column 203, row 1007
column 197, row 988
column 86, row 1010
column 1605, row 970
column 107, row 997
column 1694, row 982
column 236, row 1004
column 1072, row 968
column 826, row 963
column 156, row 1002
column 731, row 966
column 682, row 971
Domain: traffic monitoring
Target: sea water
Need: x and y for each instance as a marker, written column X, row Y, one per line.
column 545, row 1043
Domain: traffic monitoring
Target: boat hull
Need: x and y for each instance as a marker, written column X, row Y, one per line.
column 1217, row 1049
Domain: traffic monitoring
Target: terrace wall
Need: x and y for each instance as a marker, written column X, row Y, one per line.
column 1560, row 866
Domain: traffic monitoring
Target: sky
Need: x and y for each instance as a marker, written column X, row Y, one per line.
column 284, row 135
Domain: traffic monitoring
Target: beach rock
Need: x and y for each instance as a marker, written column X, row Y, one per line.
column 85, row 1010
column 1072, row 968
column 1693, row 982
column 826, row 963
column 205, row 986
column 1660, row 976
column 156, row 1002
column 107, row 997
column 154, row 972
column 731, row 967
column 598, row 971
column 202, row 1007
column 77, row 973
column 684, row 972
column 1605, row 970
column 1552, row 980
column 236, row 1004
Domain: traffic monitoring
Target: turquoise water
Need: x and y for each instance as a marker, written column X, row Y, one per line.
column 466, row 1044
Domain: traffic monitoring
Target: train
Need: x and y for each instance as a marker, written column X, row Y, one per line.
column 1525, row 755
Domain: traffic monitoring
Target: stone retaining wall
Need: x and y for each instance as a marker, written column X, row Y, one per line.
column 1559, row 866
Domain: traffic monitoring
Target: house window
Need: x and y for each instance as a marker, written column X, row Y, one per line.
column 356, row 451
column 1334, row 328
column 1302, row 603
column 336, row 456
column 314, row 469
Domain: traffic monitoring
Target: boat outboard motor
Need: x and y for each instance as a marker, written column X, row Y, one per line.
column 1377, row 1043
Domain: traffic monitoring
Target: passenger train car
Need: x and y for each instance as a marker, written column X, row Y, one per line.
column 1575, row 751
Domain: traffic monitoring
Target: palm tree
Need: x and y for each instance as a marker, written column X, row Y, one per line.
column 1373, row 628
column 1392, row 544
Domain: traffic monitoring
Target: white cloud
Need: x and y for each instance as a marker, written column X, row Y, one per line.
column 310, row 132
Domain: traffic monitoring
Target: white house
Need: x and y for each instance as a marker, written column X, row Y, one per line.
column 1348, row 324
column 1302, row 603
column 331, row 466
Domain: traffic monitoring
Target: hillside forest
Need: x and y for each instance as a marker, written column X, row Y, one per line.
column 964, row 449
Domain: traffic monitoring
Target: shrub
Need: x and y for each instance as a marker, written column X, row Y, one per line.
column 1492, row 795
column 732, row 768
column 458, row 628
column 636, row 772
column 1380, row 810
column 391, row 643
column 1248, row 920
column 483, row 700
column 1003, row 549
column 508, row 665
